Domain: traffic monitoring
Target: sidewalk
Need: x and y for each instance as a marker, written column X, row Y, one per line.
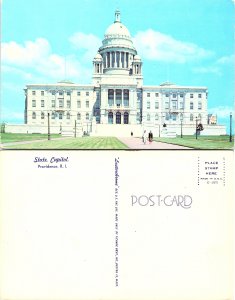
column 137, row 143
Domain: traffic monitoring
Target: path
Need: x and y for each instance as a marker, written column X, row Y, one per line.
column 137, row 143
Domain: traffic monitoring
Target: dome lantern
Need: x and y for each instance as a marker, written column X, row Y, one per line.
column 117, row 16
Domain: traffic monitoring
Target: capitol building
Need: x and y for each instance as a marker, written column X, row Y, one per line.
column 116, row 103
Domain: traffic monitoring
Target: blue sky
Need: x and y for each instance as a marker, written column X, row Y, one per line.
column 184, row 41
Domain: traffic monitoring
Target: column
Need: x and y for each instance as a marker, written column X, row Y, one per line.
column 115, row 59
column 127, row 60
column 120, row 60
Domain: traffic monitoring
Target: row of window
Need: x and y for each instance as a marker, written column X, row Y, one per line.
column 61, row 103
column 174, row 105
column 175, row 95
column 118, row 118
column 61, row 93
column 60, row 116
column 168, row 116
column 118, row 92
column 118, row 104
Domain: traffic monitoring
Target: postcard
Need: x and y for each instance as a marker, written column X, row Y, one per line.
column 124, row 225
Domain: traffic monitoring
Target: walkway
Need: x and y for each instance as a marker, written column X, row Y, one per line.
column 137, row 143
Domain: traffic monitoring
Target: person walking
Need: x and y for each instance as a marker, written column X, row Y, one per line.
column 144, row 137
column 150, row 136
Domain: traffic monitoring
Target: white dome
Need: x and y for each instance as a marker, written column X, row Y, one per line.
column 137, row 57
column 117, row 29
column 117, row 35
column 98, row 57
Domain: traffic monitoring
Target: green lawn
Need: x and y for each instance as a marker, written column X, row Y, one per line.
column 74, row 143
column 202, row 142
column 19, row 137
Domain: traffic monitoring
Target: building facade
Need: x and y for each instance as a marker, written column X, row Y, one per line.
column 116, row 102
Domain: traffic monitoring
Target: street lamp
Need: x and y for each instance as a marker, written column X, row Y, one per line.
column 230, row 131
column 181, row 125
column 196, row 128
column 75, row 127
column 48, row 126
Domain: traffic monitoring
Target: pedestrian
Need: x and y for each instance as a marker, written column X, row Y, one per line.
column 150, row 136
column 144, row 137
column 131, row 133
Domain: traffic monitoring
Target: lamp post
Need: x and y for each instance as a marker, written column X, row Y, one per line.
column 181, row 125
column 75, row 127
column 230, row 131
column 196, row 128
column 48, row 126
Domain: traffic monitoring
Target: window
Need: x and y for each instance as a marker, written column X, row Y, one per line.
column 191, row 105
column 191, row 117
column 33, row 103
column 148, row 105
column 156, row 94
column 53, row 115
column 167, row 117
column 42, row 103
column 79, row 93
column 42, row 93
column 191, row 95
column 60, row 116
column 148, row 94
column 118, row 97
column 61, row 103
column 181, row 95
column 33, row 93
column 34, row 115
column 181, row 105
column 167, row 95
column 110, row 118
column 148, row 117
column 68, row 93
column 118, row 118
column 78, row 104
column 200, row 105
column 156, row 105
column 111, row 97
column 174, row 104
column 126, row 98
column 68, row 116
column 61, row 93
column 126, row 118
column 173, row 117
column 199, row 117
column 156, row 117
column 52, row 103
column 174, row 95
column 87, row 93
column 166, row 105
column 78, row 116
column 87, row 104
column 42, row 116
column 87, row 116
column 53, row 92
column 199, row 95
column 68, row 103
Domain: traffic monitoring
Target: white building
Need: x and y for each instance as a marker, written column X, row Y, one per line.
column 116, row 103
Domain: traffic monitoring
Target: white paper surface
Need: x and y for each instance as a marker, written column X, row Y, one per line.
column 74, row 232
